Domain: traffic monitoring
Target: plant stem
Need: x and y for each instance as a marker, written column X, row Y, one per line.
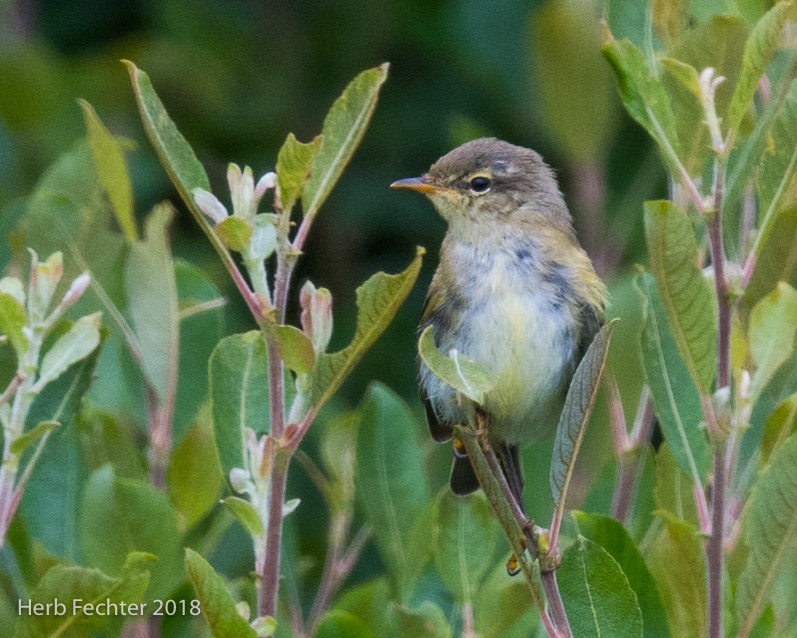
column 714, row 547
column 632, row 462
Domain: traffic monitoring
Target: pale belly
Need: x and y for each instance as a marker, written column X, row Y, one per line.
column 525, row 339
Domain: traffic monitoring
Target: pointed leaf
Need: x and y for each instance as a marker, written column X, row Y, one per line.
column 643, row 95
column 235, row 232
column 239, row 394
column 612, row 537
column 295, row 348
column 773, row 325
column 12, row 319
column 758, row 51
column 194, row 475
column 78, row 343
column 294, row 161
column 218, row 607
column 676, row 558
column 459, row 371
column 776, row 258
column 686, row 294
column 152, row 301
column 378, row 299
column 344, row 127
column 776, row 175
column 464, row 539
column 779, row 426
column 769, row 522
column 246, row 514
column 596, row 594
column 22, row 443
column 675, row 397
column 109, row 161
column 575, row 415
column 75, row 588
column 393, row 488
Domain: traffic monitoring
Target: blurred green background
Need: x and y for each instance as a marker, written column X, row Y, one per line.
column 238, row 75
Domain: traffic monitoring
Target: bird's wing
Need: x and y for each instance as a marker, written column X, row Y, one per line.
column 440, row 431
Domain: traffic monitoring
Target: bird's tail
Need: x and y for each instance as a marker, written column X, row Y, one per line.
column 463, row 478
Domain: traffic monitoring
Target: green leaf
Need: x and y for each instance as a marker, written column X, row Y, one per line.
column 21, row 443
column 459, row 371
column 597, row 597
column 378, row 299
column 235, row 232
column 152, row 300
column 77, row 587
column 194, row 475
column 581, row 127
column 344, row 127
column 12, row 319
column 239, row 394
column 218, row 607
column 769, row 522
column 294, row 161
column 612, row 536
column 391, row 479
column 779, row 426
column 172, row 148
column 687, row 296
column 246, row 514
column 776, row 259
column 505, row 604
column 425, row 621
column 464, row 538
column 675, row 397
column 109, row 161
column 119, row 516
column 773, row 325
column 643, row 95
column 338, row 449
column 575, row 415
column 675, row 489
column 337, row 623
column 777, row 169
column 758, row 51
column 79, row 342
column 676, row 558
column 51, row 501
column 295, row 348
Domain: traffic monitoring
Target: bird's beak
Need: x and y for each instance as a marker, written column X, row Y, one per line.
column 420, row 184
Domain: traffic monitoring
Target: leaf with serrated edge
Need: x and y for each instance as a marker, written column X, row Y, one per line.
column 460, row 372
column 575, row 414
column 596, row 594
column 378, row 299
column 109, row 161
column 773, row 325
column 239, row 394
column 684, row 290
column 344, row 127
column 76, row 344
column 769, row 522
column 218, row 607
column 758, row 51
column 293, row 168
column 675, row 396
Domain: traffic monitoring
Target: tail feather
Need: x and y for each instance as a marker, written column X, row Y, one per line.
column 463, row 479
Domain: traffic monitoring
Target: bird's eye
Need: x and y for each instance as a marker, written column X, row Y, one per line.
column 480, row 184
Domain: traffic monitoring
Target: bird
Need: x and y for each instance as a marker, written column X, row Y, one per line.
column 514, row 291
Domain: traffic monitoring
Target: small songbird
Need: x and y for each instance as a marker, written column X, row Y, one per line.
column 514, row 291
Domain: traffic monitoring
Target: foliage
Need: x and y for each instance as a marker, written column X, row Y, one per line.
column 182, row 428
